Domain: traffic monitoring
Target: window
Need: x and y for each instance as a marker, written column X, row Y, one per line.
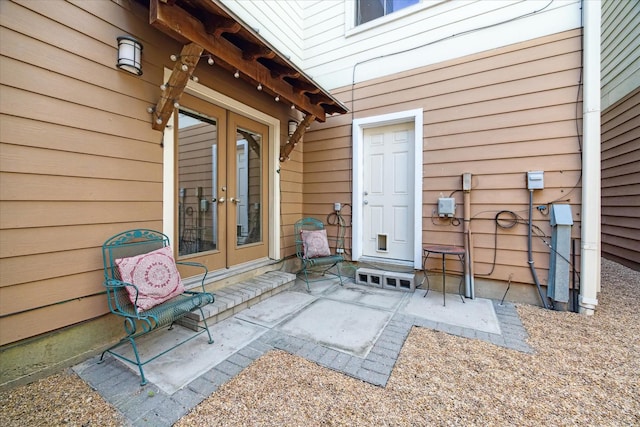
column 368, row 10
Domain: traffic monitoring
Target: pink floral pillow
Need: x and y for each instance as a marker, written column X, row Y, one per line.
column 315, row 243
column 155, row 274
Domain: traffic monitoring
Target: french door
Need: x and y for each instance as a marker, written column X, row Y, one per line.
column 221, row 185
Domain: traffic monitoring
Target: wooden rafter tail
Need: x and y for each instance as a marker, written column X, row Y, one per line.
column 181, row 25
column 296, row 137
column 189, row 56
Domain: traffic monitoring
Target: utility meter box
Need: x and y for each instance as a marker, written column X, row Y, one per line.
column 446, row 207
column 535, row 180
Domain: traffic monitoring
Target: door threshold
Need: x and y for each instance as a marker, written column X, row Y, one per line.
column 224, row 273
column 240, row 268
column 386, row 263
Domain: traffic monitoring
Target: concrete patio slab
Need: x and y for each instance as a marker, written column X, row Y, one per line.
column 274, row 310
column 367, row 295
column 354, row 329
column 475, row 313
column 339, row 325
column 170, row 372
column 316, row 286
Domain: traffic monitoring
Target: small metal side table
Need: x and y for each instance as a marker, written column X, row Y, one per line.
column 443, row 250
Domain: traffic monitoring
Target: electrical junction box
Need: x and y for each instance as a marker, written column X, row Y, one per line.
column 535, row 180
column 446, row 207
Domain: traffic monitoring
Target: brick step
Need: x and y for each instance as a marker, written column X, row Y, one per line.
column 235, row 297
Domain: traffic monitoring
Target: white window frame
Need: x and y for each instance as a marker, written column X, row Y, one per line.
column 350, row 16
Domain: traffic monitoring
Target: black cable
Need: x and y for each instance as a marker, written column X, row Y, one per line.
column 336, row 218
column 577, row 113
column 506, row 224
column 505, row 292
column 530, row 252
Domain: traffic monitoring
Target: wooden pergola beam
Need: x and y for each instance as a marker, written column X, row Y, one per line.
column 182, row 25
column 189, row 57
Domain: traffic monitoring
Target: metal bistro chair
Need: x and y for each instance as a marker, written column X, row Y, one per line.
column 137, row 322
column 322, row 263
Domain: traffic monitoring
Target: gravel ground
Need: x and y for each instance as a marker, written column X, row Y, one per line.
column 585, row 371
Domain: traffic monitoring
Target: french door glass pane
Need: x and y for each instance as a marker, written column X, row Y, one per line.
column 249, row 187
column 197, row 174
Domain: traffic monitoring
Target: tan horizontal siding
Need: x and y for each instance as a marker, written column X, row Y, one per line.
column 31, row 323
column 44, row 134
column 62, row 213
column 28, row 296
column 21, row 159
column 621, row 181
column 25, row 187
column 79, row 161
column 36, row 267
column 496, row 114
column 42, row 240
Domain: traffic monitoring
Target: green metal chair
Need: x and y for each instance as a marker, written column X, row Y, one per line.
column 320, row 264
column 138, row 323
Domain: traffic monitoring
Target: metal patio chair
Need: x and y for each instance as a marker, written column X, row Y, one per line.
column 139, row 322
column 322, row 263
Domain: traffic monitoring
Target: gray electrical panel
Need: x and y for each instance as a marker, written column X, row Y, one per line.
column 446, row 207
column 535, row 180
column 559, row 267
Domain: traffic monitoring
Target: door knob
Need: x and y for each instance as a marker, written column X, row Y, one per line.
column 233, row 200
column 221, row 200
column 366, row 202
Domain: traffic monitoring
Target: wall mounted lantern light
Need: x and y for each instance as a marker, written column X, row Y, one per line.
column 129, row 55
column 292, row 127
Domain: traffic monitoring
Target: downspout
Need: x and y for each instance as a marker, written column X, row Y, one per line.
column 469, row 285
column 590, row 234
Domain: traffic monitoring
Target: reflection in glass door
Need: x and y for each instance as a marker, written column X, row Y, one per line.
column 249, row 187
column 197, row 175
column 222, row 185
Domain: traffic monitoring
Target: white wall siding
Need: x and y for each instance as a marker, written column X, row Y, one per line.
column 336, row 54
column 620, row 49
column 279, row 22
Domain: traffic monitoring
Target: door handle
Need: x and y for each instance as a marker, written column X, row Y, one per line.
column 236, row 201
column 221, row 200
column 366, row 202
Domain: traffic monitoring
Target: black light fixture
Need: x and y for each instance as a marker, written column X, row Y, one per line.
column 129, row 55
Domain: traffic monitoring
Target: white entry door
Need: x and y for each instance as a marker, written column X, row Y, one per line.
column 388, row 192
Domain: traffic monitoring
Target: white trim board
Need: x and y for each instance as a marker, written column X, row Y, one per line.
column 359, row 125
